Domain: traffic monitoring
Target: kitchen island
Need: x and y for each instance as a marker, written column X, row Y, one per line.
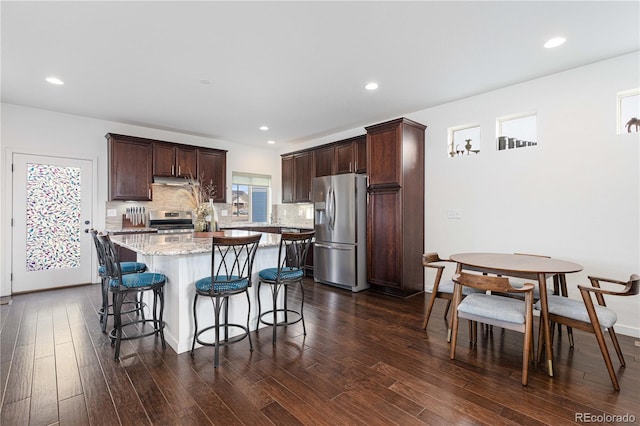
column 185, row 258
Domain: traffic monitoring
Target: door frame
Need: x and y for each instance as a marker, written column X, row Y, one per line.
column 6, row 285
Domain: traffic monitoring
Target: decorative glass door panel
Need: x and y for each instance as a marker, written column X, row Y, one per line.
column 51, row 211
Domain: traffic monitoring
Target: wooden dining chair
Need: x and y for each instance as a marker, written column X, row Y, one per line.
column 587, row 316
column 490, row 309
column 441, row 289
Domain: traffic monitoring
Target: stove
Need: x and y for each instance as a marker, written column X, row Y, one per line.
column 171, row 222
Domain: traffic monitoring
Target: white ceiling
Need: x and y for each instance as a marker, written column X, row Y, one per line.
column 297, row 67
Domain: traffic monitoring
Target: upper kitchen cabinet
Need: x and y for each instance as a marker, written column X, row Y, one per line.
column 287, row 179
column 212, row 169
column 395, row 210
column 171, row 160
column 361, row 154
column 297, row 174
column 323, row 160
column 351, row 155
column 130, row 168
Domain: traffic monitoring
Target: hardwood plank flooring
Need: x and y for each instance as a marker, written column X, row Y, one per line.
column 364, row 361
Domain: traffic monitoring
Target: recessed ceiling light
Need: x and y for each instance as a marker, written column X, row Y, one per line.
column 206, row 81
column 264, row 128
column 371, row 86
column 555, row 42
column 271, row 142
column 55, row 80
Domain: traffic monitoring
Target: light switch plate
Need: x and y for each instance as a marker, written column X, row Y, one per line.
column 224, row 212
column 454, row 214
column 112, row 213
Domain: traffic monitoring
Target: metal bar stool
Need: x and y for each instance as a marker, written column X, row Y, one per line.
column 127, row 268
column 231, row 266
column 290, row 270
column 121, row 285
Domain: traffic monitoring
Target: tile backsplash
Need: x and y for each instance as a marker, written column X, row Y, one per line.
column 166, row 197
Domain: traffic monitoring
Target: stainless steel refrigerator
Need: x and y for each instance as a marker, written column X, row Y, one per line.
column 339, row 252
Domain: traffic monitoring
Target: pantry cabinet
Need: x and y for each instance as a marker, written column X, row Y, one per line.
column 395, row 208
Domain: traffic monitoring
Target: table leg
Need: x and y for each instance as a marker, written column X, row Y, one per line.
column 544, row 318
column 565, row 293
column 458, row 270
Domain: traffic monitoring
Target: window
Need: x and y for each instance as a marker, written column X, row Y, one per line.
column 629, row 111
column 517, row 131
column 464, row 140
column 251, row 195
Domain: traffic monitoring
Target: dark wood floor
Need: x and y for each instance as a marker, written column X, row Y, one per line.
column 364, row 361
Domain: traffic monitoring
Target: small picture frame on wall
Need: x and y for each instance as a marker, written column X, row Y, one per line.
column 629, row 111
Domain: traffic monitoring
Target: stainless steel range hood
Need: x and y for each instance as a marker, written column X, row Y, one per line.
column 170, row 181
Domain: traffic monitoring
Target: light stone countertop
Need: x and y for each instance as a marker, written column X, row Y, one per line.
column 181, row 244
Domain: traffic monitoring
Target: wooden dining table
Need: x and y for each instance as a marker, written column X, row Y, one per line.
column 531, row 267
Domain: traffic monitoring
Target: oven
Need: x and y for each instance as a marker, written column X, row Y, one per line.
column 171, row 222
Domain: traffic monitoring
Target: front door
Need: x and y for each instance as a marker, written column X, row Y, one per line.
column 51, row 214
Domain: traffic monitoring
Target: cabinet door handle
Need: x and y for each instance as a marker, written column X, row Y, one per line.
column 149, row 193
column 349, row 166
column 173, row 170
column 179, row 171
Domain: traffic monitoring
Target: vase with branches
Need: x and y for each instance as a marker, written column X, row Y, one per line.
column 198, row 198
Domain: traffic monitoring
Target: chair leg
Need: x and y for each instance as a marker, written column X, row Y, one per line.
column 304, row 327
column 117, row 323
column 565, row 293
column 540, row 341
column 195, row 323
column 160, row 325
column 616, row 345
column 446, row 311
column 259, row 306
column 248, row 319
column 104, row 315
column 275, row 288
column 454, row 336
column 217, row 306
column 427, row 314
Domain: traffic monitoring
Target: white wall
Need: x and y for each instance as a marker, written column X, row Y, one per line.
column 42, row 132
column 574, row 196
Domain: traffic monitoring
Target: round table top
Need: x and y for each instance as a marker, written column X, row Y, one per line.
column 516, row 263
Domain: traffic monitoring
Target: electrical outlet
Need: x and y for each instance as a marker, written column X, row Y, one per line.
column 112, row 213
column 224, row 212
column 454, row 214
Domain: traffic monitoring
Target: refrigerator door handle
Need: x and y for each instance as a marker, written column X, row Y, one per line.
column 333, row 208
column 328, row 208
column 333, row 247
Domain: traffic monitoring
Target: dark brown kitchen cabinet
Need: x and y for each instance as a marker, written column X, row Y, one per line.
column 323, row 161
column 297, row 174
column 130, row 167
column 288, row 182
column 351, row 155
column 303, row 175
column 344, row 157
column 395, row 209
column 170, row 160
column 212, row 169
column 361, row 154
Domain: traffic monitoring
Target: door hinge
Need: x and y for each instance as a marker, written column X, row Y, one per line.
column 12, row 277
column 11, row 167
column 12, row 222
